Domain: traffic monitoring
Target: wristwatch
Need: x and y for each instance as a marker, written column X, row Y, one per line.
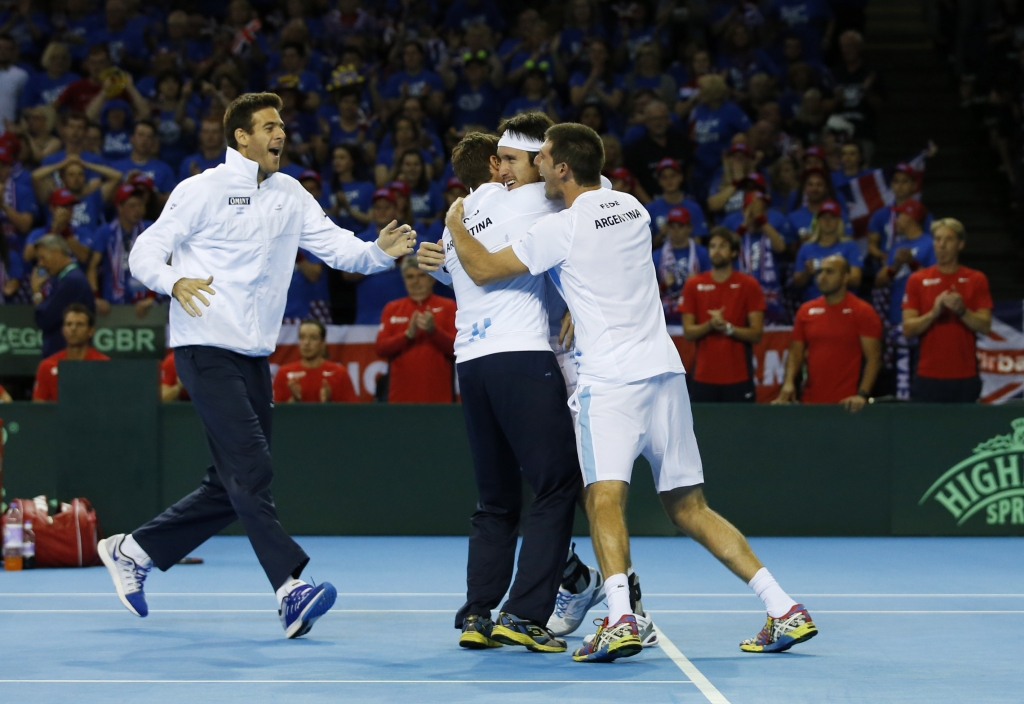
column 37, row 297
column 729, row 329
column 864, row 394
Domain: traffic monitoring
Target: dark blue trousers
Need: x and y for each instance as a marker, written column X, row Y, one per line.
column 234, row 398
column 519, row 427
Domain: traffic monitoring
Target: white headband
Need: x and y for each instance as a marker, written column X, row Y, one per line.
column 514, row 140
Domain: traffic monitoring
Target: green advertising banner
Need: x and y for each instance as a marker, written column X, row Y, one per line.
column 120, row 334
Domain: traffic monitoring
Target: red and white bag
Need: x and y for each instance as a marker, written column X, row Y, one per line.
column 65, row 539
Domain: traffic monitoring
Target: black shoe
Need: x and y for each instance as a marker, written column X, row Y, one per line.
column 512, row 630
column 476, row 633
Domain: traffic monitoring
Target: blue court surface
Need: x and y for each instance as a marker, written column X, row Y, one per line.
column 901, row 620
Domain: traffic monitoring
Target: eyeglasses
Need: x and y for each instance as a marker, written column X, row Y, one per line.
column 542, row 65
column 469, row 56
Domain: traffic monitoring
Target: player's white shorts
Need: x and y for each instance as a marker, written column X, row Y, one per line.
column 615, row 423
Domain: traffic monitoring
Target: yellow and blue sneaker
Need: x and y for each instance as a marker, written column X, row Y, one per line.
column 476, row 633
column 512, row 630
column 782, row 633
column 611, row 643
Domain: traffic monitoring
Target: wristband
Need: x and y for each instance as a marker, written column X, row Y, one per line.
column 37, row 297
column 864, row 394
column 729, row 329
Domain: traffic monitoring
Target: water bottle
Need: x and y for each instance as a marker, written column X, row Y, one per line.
column 13, row 534
column 28, row 547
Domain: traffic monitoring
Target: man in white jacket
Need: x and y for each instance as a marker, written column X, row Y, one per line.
column 227, row 239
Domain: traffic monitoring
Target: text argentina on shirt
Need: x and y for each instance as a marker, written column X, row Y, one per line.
column 616, row 219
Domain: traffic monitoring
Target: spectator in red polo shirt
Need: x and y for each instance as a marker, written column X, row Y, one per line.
column 171, row 388
column 314, row 378
column 79, row 327
column 417, row 337
column 837, row 333
column 945, row 305
column 723, row 312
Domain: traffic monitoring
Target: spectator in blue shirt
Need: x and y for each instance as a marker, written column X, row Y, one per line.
column 647, row 74
column 59, row 222
column 415, row 80
column 596, row 82
column 827, row 238
column 342, row 120
column 811, row 20
column 174, row 116
column 582, row 25
column 124, row 38
column 725, row 194
column 713, row 123
column 350, row 197
column 476, row 99
column 71, row 128
column 425, row 197
column 114, row 241
column 117, row 130
column 676, row 260
column 753, row 185
column 912, row 250
column 881, row 233
column 784, row 184
column 44, row 86
column 180, row 40
column 375, row 291
column 817, row 189
column 143, row 160
column 308, row 295
column 293, row 63
column 405, row 135
column 18, row 211
column 633, row 29
column 27, row 25
column 670, row 179
column 740, row 59
column 763, row 237
column 851, row 165
column 211, row 150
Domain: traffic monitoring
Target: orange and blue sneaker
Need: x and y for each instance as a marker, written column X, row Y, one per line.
column 611, row 642
column 476, row 633
column 512, row 630
column 782, row 633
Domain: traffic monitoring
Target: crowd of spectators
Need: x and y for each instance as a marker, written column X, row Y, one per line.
column 752, row 116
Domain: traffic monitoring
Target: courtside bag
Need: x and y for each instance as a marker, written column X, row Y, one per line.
column 67, row 538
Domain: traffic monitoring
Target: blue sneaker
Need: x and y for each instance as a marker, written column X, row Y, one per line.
column 128, row 575
column 303, row 606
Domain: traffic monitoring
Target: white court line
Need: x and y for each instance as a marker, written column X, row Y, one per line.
column 626, row 682
column 461, row 594
column 448, row 611
column 689, row 669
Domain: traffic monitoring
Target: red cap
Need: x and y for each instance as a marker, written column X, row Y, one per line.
column 740, row 148
column 814, row 150
column 912, row 207
column 755, row 179
column 126, row 191
column 668, row 163
column 622, row 174
column 142, row 181
column 385, row 193
column 6, row 156
column 310, row 174
column 905, row 168
column 62, row 196
column 10, row 141
column 830, row 207
column 749, row 197
column 454, row 183
column 400, row 187
column 679, row 215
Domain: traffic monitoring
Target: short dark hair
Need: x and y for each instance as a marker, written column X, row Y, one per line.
column 580, row 148
column 72, row 115
column 100, row 48
column 146, row 122
column 239, row 114
column 81, row 309
column 319, row 326
column 532, row 124
column 726, row 234
column 471, row 158
column 298, row 46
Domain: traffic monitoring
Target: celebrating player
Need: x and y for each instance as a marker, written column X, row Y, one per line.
column 631, row 398
column 514, row 400
column 239, row 225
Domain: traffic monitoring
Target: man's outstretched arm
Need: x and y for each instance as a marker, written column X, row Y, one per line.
column 482, row 266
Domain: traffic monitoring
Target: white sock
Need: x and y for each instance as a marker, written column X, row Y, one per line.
column 287, row 589
column 775, row 600
column 617, row 590
column 133, row 550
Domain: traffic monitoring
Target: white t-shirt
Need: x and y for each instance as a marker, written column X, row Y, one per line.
column 507, row 316
column 599, row 254
column 12, row 82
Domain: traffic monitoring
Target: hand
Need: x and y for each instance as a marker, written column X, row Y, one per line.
column 955, row 302
column 142, row 306
column 810, row 266
column 425, row 321
column 430, row 255
column 185, row 289
column 397, row 240
column 853, row 403
column 296, row 390
column 568, row 332
column 455, row 213
column 670, row 279
column 787, row 394
column 940, row 302
column 38, row 278
column 410, row 331
column 325, row 392
column 718, row 323
column 102, row 306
